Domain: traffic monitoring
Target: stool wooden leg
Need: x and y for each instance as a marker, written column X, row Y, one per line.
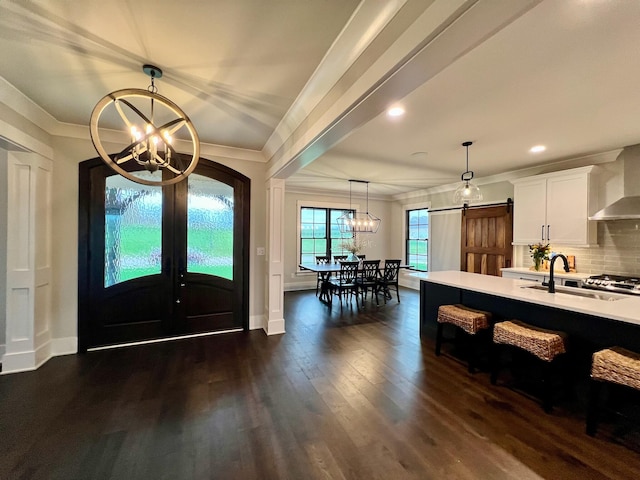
column 592, row 406
column 495, row 362
column 473, row 353
column 438, row 338
column 547, row 387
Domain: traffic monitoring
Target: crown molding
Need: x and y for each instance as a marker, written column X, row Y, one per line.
column 556, row 166
column 27, row 108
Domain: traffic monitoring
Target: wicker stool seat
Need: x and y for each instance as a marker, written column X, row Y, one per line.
column 617, row 365
column 469, row 320
column 613, row 365
column 546, row 345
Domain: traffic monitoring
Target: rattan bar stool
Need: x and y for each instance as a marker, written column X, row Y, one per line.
column 546, row 345
column 613, row 365
column 468, row 320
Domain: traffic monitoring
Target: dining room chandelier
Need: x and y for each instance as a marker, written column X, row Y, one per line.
column 153, row 124
column 467, row 192
column 358, row 222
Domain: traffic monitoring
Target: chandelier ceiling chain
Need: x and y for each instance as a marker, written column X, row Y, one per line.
column 151, row 137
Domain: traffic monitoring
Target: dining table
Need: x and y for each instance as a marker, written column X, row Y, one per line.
column 330, row 268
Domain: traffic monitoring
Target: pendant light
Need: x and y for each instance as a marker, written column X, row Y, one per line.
column 467, row 192
column 151, row 123
column 358, row 222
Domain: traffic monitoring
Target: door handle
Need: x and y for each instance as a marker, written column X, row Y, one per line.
column 181, row 281
column 548, row 233
column 542, row 233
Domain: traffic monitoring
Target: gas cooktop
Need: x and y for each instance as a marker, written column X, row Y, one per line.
column 613, row 283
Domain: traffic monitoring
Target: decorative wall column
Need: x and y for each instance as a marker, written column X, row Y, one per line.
column 28, row 287
column 274, row 301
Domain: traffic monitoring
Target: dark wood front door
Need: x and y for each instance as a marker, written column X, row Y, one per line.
column 158, row 262
column 487, row 234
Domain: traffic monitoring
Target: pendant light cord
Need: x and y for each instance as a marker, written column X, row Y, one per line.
column 462, row 177
column 367, row 197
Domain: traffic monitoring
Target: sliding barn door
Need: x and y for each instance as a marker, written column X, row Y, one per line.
column 487, row 234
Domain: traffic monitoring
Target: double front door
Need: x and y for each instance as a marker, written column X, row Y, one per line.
column 158, row 262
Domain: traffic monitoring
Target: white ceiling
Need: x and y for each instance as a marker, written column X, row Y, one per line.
column 563, row 73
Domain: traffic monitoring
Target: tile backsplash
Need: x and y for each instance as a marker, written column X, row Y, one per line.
column 618, row 250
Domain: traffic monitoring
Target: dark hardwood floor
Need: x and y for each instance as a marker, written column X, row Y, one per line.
column 351, row 396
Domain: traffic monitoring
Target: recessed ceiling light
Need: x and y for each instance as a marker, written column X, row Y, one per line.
column 395, row 111
column 537, row 149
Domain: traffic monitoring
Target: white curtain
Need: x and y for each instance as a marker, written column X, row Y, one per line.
column 444, row 240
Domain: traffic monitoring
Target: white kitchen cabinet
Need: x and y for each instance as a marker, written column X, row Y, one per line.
column 554, row 208
column 518, row 275
column 560, row 276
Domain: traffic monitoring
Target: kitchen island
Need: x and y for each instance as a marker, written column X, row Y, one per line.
column 592, row 323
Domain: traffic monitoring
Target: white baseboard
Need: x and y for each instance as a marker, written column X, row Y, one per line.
column 275, row 327
column 64, row 346
column 411, row 280
column 18, row 362
column 26, row 361
column 292, row 287
column 256, row 322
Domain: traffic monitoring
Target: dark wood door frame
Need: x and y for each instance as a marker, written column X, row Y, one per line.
column 242, row 187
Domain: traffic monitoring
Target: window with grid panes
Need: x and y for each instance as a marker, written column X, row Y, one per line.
column 417, row 236
column 320, row 233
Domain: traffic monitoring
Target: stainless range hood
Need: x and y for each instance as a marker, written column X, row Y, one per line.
column 627, row 207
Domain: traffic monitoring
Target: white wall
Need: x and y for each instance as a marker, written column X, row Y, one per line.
column 378, row 244
column 3, row 249
column 69, row 153
column 445, row 247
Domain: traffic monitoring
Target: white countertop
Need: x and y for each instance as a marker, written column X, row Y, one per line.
column 558, row 272
column 626, row 309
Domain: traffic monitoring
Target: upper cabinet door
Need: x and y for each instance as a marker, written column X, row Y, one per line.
column 529, row 211
column 554, row 208
column 567, row 209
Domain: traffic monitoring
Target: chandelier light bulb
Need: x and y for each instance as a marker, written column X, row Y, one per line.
column 358, row 222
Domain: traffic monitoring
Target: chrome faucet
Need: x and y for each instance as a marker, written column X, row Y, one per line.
column 552, row 283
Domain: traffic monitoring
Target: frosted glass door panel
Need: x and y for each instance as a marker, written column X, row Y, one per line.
column 209, row 227
column 133, row 230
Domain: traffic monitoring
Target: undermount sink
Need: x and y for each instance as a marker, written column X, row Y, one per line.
column 576, row 292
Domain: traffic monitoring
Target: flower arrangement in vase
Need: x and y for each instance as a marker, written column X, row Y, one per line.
column 539, row 252
column 352, row 245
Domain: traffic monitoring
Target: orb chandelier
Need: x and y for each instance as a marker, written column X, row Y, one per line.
column 153, row 124
column 358, row 222
column 467, row 192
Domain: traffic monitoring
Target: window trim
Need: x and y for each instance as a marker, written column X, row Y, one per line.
column 315, row 204
column 405, row 230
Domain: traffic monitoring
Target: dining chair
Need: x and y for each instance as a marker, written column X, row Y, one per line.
column 368, row 278
column 389, row 279
column 345, row 283
column 339, row 258
column 322, row 276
